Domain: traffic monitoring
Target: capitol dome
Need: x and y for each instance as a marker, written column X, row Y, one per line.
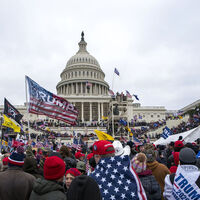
column 82, row 83
column 82, row 70
column 82, row 56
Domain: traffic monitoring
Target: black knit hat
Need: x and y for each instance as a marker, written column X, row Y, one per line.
column 187, row 156
column 84, row 188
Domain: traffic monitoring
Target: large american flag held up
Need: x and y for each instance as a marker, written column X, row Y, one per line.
column 43, row 102
column 117, row 179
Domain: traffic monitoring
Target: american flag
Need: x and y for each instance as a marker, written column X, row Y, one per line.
column 128, row 94
column 111, row 93
column 117, row 179
column 136, row 141
column 116, row 71
column 43, row 102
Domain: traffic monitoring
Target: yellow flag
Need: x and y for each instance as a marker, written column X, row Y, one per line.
column 103, row 136
column 104, row 118
column 9, row 123
column 180, row 117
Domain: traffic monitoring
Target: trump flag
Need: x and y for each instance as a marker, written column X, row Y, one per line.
column 43, row 102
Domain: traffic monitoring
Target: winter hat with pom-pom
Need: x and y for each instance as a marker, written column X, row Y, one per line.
column 139, row 162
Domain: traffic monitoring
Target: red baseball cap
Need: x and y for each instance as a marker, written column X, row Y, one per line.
column 89, row 156
column 178, row 144
column 103, row 147
column 79, row 154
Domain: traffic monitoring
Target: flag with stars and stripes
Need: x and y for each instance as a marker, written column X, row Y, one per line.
column 117, row 179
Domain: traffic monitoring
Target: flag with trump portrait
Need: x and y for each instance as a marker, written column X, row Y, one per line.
column 117, row 179
column 43, row 102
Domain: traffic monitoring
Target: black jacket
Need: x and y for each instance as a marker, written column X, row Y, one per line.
column 47, row 190
column 150, row 185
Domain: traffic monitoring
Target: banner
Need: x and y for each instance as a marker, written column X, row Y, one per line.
column 9, row 123
column 166, row 133
column 103, row 136
column 11, row 111
column 43, row 102
column 185, row 186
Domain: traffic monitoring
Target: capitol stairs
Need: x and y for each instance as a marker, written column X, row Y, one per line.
column 170, row 123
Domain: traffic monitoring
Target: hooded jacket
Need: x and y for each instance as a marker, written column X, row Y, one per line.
column 47, row 190
column 159, row 171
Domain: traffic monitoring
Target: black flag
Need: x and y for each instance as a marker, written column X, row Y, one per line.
column 11, row 111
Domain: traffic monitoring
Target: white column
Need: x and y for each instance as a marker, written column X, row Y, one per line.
column 91, row 89
column 81, row 88
column 76, row 88
column 90, row 111
column 82, row 111
column 102, row 114
column 72, row 88
column 95, row 89
column 99, row 89
column 98, row 111
column 67, row 89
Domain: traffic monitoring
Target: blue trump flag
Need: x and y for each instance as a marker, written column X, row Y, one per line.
column 117, row 179
column 166, row 132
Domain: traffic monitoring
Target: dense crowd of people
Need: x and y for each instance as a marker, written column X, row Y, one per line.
column 103, row 170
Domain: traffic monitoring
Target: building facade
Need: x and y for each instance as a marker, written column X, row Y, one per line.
column 82, row 83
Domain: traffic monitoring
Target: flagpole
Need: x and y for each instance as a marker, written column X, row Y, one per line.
column 1, row 122
column 27, row 106
column 112, row 107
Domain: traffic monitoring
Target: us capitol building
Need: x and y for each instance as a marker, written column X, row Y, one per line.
column 82, row 84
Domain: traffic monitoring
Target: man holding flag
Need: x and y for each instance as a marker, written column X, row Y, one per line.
column 114, row 174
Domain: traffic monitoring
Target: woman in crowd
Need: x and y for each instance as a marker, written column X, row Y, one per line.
column 70, row 176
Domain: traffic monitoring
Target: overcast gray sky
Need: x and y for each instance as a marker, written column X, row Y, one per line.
column 154, row 44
